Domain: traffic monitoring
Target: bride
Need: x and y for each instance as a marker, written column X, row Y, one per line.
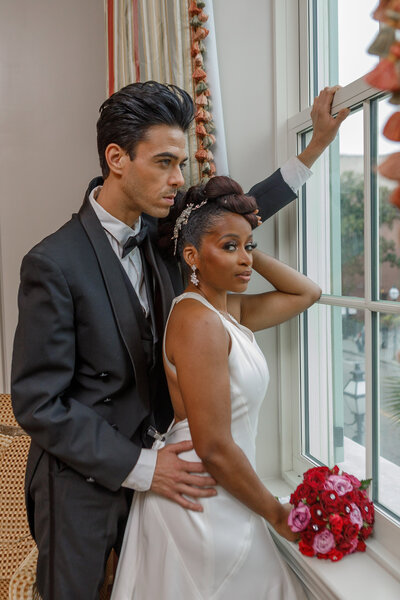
column 217, row 378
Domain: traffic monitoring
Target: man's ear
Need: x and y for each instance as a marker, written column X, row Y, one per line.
column 116, row 158
column 190, row 255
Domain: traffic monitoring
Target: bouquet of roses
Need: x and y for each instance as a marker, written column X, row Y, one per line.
column 332, row 513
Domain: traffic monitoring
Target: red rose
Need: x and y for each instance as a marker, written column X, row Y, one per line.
column 323, row 556
column 351, row 496
column 318, row 515
column 311, row 495
column 299, row 493
column 316, row 470
column 348, row 546
column 316, row 476
column 336, row 523
column 330, row 501
column 346, row 507
column 353, row 480
column 335, row 555
column 361, row 546
column 365, row 532
column 316, row 480
column 308, row 535
column 335, row 470
column 350, row 531
column 367, row 511
column 306, row 549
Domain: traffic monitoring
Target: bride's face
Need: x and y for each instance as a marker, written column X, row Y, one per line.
column 224, row 259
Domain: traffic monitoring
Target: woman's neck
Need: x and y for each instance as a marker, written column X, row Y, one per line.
column 215, row 297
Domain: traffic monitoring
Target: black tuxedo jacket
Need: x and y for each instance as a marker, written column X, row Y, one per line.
column 80, row 382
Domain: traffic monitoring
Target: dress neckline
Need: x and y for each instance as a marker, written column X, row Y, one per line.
column 231, row 320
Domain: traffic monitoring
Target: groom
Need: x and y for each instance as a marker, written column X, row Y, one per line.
column 87, row 376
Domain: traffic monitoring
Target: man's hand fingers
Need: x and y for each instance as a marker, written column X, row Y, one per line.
column 180, row 447
column 195, row 492
column 198, row 480
column 192, row 467
column 342, row 115
column 188, row 504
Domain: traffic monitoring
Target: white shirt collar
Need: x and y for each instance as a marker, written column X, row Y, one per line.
column 119, row 230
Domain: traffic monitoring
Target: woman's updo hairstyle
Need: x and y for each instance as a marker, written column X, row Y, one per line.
column 222, row 194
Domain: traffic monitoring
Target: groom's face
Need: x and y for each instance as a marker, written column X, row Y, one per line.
column 151, row 180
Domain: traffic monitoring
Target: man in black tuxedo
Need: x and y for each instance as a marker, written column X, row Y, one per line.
column 87, row 376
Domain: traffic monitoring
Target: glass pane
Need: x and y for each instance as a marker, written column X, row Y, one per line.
column 334, row 387
column 341, row 32
column 389, row 216
column 332, row 214
column 356, row 31
column 389, row 411
column 348, row 206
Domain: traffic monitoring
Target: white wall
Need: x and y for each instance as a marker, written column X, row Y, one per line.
column 53, row 79
column 52, row 82
column 245, row 56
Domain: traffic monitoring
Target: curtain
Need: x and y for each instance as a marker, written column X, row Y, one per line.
column 151, row 39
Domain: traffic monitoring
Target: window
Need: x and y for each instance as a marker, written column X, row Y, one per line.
column 348, row 240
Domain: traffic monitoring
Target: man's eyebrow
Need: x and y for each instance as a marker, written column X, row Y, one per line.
column 170, row 155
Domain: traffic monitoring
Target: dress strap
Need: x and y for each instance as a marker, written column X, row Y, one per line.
column 193, row 296
column 196, row 296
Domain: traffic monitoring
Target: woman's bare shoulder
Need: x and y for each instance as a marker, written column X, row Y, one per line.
column 193, row 320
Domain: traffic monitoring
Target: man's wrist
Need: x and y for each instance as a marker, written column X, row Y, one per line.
column 141, row 476
column 312, row 152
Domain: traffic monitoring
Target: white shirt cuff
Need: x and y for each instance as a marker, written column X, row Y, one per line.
column 141, row 476
column 295, row 173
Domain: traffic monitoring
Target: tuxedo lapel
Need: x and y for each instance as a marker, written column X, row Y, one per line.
column 127, row 320
column 162, row 279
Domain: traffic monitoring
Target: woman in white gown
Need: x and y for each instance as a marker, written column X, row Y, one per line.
column 217, row 378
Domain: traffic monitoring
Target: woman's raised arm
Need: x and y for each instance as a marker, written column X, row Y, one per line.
column 294, row 294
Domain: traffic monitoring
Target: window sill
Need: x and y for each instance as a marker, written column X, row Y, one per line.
column 373, row 574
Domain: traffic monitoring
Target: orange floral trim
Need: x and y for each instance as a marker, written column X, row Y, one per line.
column 386, row 76
column 203, row 117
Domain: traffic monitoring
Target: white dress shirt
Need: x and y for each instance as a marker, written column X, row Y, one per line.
column 294, row 173
column 117, row 232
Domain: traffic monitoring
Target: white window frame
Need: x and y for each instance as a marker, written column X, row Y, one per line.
column 291, row 67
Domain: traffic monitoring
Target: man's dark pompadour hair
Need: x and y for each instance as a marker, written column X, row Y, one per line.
column 126, row 116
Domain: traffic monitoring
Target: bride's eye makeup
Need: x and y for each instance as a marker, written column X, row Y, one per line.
column 232, row 245
column 250, row 246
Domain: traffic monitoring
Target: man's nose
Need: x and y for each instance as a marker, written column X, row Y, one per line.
column 176, row 179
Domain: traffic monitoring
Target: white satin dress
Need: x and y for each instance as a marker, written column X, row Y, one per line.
column 226, row 552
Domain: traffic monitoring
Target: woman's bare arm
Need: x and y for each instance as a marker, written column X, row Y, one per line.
column 200, row 354
column 294, row 294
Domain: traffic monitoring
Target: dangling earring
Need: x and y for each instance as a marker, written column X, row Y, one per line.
column 193, row 276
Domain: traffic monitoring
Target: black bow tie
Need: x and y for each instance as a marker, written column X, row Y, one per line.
column 134, row 240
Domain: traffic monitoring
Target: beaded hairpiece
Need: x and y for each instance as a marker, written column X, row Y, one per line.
column 183, row 219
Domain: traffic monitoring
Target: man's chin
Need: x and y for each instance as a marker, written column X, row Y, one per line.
column 162, row 212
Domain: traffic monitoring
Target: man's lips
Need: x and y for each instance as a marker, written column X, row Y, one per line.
column 170, row 198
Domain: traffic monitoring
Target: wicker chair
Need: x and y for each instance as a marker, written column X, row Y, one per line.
column 18, row 552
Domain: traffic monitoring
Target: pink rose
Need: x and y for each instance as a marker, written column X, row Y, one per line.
column 324, row 542
column 355, row 516
column 341, row 485
column 353, row 480
column 299, row 517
